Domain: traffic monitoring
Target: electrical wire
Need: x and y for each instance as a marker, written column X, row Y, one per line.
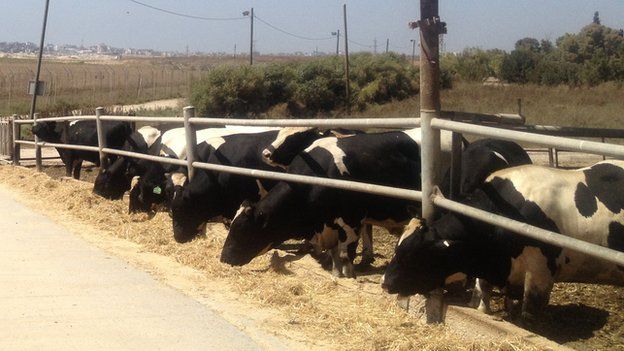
column 360, row 44
column 289, row 33
column 186, row 15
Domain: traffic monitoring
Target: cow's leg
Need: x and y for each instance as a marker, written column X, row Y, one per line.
column 69, row 164
column 336, row 262
column 537, row 287
column 76, row 167
column 481, row 295
column 368, row 255
column 348, row 256
column 348, row 239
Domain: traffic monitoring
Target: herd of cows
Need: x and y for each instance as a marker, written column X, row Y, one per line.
column 261, row 214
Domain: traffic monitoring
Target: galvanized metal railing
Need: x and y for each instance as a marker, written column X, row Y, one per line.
column 431, row 126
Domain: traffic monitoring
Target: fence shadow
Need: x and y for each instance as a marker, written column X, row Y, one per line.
column 569, row 322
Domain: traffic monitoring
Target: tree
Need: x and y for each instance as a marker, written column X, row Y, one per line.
column 528, row 44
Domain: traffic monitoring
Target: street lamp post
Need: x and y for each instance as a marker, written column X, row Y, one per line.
column 413, row 50
column 251, row 17
column 337, row 35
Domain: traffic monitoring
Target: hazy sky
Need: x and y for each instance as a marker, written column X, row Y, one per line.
column 122, row 23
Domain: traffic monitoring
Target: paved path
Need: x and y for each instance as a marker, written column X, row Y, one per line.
column 57, row 292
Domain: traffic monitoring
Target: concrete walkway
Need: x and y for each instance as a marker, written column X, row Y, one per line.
column 57, row 292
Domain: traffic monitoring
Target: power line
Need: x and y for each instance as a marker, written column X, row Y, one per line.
column 186, row 15
column 360, row 44
column 289, row 33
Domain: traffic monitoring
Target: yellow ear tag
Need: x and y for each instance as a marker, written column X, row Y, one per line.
column 157, row 190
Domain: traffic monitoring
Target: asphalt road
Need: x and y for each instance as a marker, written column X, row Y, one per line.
column 58, row 292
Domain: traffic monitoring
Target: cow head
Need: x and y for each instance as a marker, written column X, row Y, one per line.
column 112, row 182
column 289, row 142
column 193, row 204
column 48, row 131
column 477, row 164
column 148, row 191
column 249, row 236
column 422, row 261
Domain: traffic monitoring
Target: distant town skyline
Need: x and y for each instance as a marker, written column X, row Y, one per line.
column 302, row 26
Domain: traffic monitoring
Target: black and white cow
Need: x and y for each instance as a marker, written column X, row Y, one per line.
column 82, row 133
column 485, row 156
column 329, row 217
column 149, row 190
column 290, row 141
column 113, row 181
column 212, row 195
column 586, row 204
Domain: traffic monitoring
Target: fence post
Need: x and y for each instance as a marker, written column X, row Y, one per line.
column 38, row 165
column 551, row 157
column 430, row 29
column 191, row 140
column 16, row 136
column 100, row 135
column 603, row 140
column 456, row 165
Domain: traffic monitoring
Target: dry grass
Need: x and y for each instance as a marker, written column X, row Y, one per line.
column 348, row 314
column 601, row 106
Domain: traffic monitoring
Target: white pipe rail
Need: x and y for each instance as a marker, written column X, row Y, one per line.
column 532, row 231
column 56, row 119
column 591, row 147
column 408, row 194
column 59, row 145
column 402, row 193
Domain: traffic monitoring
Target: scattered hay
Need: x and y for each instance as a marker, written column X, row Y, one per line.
column 349, row 314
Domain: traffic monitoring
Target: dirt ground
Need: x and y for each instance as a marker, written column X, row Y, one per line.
column 585, row 317
column 305, row 302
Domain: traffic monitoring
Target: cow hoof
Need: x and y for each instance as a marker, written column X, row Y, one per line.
column 348, row 271
column 337, row 273
column 367, row 260
column 483, row 308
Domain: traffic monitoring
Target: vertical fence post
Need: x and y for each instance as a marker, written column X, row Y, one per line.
column 456, row 160
column 16, row 136
column 100, row 135
column 603, row 140
column 191, row 140
column 38, row 165
column 430, row 29
column 551, row 157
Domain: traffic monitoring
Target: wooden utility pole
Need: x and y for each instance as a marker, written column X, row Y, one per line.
column 346, row 43
column 251, row 40
column 387, row 44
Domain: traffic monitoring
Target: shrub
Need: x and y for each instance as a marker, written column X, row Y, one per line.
column 305, row 87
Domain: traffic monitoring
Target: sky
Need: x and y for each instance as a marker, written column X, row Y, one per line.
column 123, row 23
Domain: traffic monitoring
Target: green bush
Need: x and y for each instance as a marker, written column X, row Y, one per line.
column 231, row 90
column 305, row 87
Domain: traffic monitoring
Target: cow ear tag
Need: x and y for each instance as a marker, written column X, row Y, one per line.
column 157, row 190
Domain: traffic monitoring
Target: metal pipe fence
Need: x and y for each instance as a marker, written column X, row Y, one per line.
column 429, row 130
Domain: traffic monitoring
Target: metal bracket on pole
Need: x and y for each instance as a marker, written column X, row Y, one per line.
column 437, row 25
column 101, row 137
column 191, row 140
